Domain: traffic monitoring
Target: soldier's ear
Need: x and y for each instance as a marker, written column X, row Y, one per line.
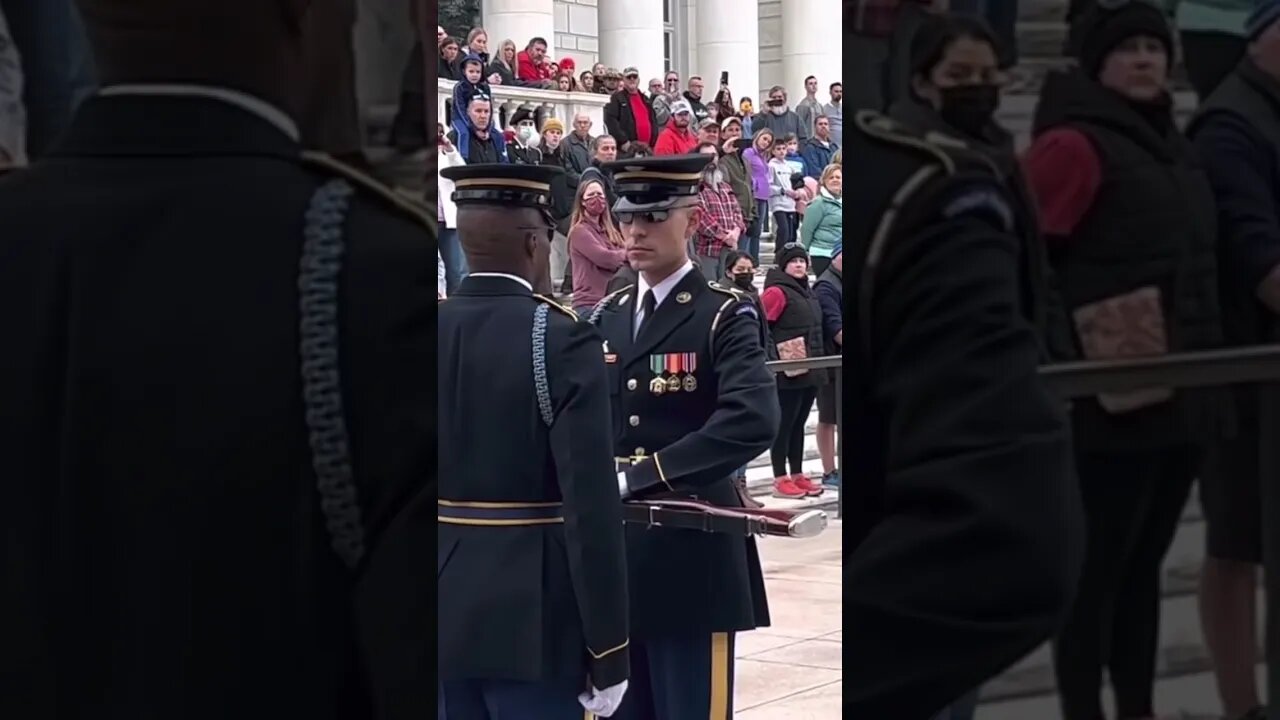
column 695, row 215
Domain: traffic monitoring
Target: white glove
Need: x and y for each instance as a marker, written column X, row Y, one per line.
column 624, row 489
column 603, row 702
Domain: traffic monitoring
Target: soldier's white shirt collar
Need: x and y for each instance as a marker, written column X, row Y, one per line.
column 242, row 100
column 662, row 289
column 513, row 278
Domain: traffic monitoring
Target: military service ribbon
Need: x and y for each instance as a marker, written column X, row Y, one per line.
column 673, row 367
column 657, row 385
column 690, row 366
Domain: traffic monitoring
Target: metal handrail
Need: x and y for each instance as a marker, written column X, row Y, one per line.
column 1228, row 366
column 1204, row 368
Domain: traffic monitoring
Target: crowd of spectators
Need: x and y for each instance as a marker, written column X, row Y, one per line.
column 771, row 172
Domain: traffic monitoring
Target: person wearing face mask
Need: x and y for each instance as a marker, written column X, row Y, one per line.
column 955, row 90
column 1130, row 219
column 746, row 110
column 721, row 224
column 524, row 151
column 596, row 248
column 740, row 274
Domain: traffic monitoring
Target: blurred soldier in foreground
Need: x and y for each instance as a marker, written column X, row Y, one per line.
column 532, row 576
column 693, row 402
column 197, row 492
column 964, row 518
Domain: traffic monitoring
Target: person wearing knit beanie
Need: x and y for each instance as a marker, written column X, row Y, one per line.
column 551, row 124
column 790, row 252
column 1102, row 29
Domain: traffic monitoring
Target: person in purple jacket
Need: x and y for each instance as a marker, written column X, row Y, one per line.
column 756, row 158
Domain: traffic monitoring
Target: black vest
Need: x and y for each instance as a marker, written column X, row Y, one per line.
column 1253, row 96
column 802, row 317
column 1152, row 223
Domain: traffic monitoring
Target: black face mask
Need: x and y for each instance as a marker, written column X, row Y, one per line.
column 744, row 280
column 969, row 108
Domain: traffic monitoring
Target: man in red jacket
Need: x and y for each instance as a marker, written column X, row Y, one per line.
column 677, row 138
column 530, row 63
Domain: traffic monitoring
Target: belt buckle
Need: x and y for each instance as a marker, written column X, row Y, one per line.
column 653, row 522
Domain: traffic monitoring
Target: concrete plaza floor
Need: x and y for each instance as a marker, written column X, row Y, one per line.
column 792, row 669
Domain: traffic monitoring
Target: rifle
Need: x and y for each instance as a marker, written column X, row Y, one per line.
column 686, row 514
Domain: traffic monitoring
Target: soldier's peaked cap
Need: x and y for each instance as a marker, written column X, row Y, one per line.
column 503, row 184
column 656, row 183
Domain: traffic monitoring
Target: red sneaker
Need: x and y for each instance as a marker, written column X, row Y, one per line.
column 808, row 486
column 784, row 487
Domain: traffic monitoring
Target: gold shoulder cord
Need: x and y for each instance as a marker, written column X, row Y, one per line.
column 419, row 211
column 556, row 305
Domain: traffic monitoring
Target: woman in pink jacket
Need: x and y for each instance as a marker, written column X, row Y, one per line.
column 595, row 244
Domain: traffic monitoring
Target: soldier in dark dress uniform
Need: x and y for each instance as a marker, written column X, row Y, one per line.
column 188, row 516
column 532, row 581
column 692, row 403
column 963, row 526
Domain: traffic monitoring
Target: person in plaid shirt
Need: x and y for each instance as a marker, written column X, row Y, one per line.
column 721, row 223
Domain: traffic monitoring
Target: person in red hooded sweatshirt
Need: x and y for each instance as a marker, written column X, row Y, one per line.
column 677, row 138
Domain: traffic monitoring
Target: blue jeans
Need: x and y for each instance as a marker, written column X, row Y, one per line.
column 56, row 65
column 455, row 261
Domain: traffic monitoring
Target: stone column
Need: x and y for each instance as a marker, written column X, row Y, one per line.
column 728, row 39
column 631, row 36
column 520, row 21
column 804, row 55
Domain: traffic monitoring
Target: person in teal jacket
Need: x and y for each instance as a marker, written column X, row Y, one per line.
column 823, row 225
column 1213, row 38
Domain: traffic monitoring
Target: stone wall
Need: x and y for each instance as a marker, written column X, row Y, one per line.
column 577, row 32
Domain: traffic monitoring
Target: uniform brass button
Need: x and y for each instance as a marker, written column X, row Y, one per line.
column 631, row 384
column 639, row 452
column 634, row 420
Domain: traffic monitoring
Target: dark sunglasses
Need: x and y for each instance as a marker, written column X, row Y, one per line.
column 649, row 216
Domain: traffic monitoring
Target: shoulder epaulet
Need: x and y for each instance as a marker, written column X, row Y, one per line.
column 555, row 305
column 604, row 301
column 725, row 290
column 418, row 210
column 940, row 147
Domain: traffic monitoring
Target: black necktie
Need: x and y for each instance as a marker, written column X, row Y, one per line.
column 647, row 304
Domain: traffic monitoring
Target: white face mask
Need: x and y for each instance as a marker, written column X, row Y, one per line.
column 527, row 134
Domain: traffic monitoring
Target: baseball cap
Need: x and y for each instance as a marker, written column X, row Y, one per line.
column 680, row 106
column 708, row 122
column 628, row 72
